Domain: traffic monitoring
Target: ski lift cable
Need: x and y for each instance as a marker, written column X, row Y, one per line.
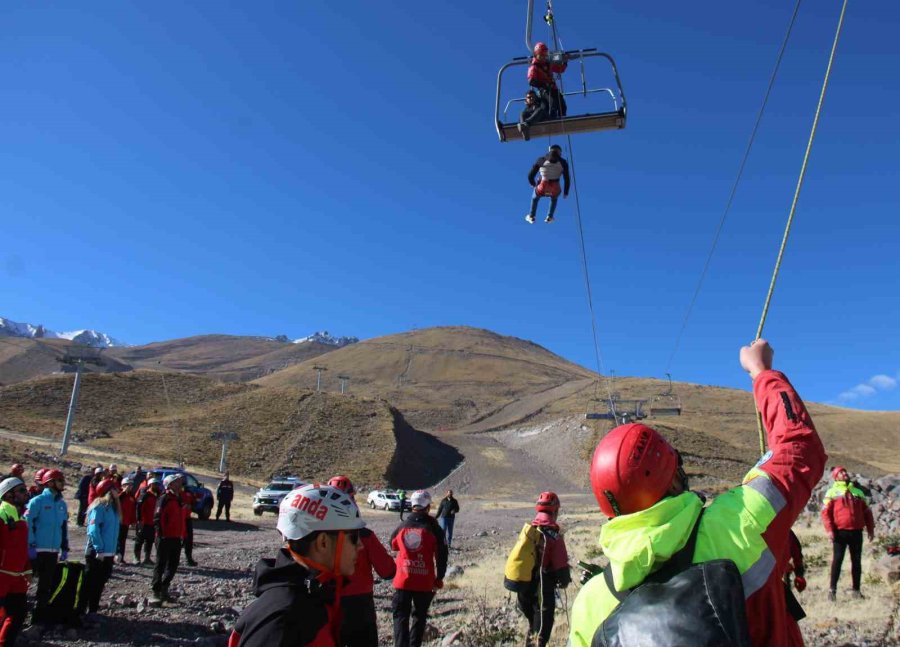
column 734, row 188
column 793, row 209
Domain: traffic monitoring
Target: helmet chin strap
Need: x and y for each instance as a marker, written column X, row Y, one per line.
column 325, row 574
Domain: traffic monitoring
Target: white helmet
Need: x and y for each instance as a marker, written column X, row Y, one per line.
column 9, row 484
column 126, row 480
column 154, row 481
column 171, row 478
column 313, row 508
column 420, row 499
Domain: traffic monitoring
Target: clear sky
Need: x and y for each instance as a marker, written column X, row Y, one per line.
column 172, row 169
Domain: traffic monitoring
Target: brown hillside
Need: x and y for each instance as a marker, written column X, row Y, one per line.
column 281, row 430
column 439, row 377
column 24, row 359
column 231, row 358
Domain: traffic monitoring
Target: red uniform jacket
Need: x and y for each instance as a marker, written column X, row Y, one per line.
column 146, row 505
column 169, row 517
column 847, row 512
column 540, row 74
column 14, row 562
column 92, row 491
column 187, row 504
column 371, row 555
column 420, row 545
column 128, row 505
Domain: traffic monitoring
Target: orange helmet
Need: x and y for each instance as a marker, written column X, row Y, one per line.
column 39, row 475
column 51, row 475
column 17, row 470
column 343, row 484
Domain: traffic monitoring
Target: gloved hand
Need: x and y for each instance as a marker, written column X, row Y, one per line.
column 588, row 571
column 871, row 536
column 800, row 584
column 63, row 555
column 32, row 553
column 438, row 584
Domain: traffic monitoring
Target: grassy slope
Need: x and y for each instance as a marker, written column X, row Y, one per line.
column 25, row 359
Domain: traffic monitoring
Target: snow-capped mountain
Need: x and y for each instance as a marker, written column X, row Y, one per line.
column 9, row 328
column 324, row 337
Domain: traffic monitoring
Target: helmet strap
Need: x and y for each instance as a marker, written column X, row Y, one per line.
column 326, row 574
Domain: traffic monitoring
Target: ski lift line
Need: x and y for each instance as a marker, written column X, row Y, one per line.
column 734, row 188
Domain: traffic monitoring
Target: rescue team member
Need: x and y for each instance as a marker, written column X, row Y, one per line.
column 168, row 522
column 38, row 486
column 99, row 475
column 224, row 496
column 537, row 565
column 48, row 536
column 187, row 507
column 15, row 567
column 81, row 495
column 541, row 76
column 359, row 627
column 299, row 592
column 446, row 516
column 551, row 167
column 421, row 565
column 639, row 484
column 128, row 508
column 102, row 537
column 145, row 509
column 845, row 514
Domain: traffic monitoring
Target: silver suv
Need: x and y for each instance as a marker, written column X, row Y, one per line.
column 268, row 499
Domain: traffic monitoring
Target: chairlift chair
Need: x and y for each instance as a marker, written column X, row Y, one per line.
column 666, row 403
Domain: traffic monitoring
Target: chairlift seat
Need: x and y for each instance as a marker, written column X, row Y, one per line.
column 665, row 411
column 588, row 123
column 599, row 416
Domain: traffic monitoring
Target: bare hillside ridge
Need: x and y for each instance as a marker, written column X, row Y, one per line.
column 25, row 359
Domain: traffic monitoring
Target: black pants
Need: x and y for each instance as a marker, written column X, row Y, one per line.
column 168, row 553
column 359, row 625
column 82, row 510
column 144, row 537
column 555, row 101
column 538, row 606
column 227, row 506
column 43, row 568
column 120, row 545
column 96, row 574
column 16, row 608
column 189, row 539
column 844, row 539
column 404, row 604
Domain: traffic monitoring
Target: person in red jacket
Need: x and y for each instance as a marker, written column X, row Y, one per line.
column 421, row 565
column 169, row 524
column 15, row 567
column 145, row 533
column 38, row 485
column 128, row 506
column 187, row 504
column 540, row 76
column 845, row 513
column 99, row 475
column 359, row 627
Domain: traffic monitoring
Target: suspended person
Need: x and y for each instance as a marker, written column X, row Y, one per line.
column 551, row 166
column 298, row 594
column 421, row 565
column 168, row 522
column 845, row 513
column 145, row 508
column 81, row 495
column 537, row 565
column 541, row 76
column 224, row 496
column 446, row 516
column 359, row 627
column 187, row 507
column 128, row 519
column 102, row 538
column 15, row 567
column 535, row 111
column 641, row 486
column 48, row 537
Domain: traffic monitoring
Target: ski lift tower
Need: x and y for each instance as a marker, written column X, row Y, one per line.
column 344, row 379
column 224, row 437
column 76, row 356
column 318, row 370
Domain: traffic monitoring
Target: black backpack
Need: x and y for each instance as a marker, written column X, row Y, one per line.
column 65, row 593
column 680, row 605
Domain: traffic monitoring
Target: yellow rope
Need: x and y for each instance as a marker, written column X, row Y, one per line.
column 787, row 229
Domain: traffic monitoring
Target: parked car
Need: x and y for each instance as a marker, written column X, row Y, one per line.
column 268, row 499
column 203, row 496
column 383, row 500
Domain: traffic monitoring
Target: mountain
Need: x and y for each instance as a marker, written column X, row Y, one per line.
column 23, row 359
column 9, row 328
column 325, row 338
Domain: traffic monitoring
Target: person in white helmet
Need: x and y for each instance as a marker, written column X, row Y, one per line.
column 299, row 592
column 421, row 565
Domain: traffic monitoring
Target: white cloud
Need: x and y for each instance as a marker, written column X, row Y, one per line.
column 883, row 382
column 870, row 387
column 858, row 391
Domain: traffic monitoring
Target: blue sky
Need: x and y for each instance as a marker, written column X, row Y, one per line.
column 170, row 170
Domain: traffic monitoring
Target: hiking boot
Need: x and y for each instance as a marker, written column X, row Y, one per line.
column 158, row 595
column 147, row 560
column 856, row 595
column 191, row 562
column 529, row 219
column 832, row 596
column 549, row 219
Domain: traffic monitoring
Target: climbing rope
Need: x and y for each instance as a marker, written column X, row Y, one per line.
column 734, row 188
column 790, row 220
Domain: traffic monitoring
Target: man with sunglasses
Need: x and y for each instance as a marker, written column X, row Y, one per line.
column 168, row 523
column 48, row 536
column 299, row 592
column 15, row 567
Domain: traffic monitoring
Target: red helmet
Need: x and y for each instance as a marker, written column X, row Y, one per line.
column 837, row 469
column 632, row 468
column 540, row 49
column 39, row 475
column 547, row 502
column 104, row 486
column 51, row 475
column 17, row 470
column 343, row 484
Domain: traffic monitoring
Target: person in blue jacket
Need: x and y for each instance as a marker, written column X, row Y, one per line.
column 102, row 539
column 48, row 536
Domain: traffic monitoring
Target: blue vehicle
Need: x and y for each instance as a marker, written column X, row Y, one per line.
column 203, row 496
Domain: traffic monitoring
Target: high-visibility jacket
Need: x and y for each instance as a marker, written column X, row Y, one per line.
column 15, row 567
column 748, row 525
column 846, row 508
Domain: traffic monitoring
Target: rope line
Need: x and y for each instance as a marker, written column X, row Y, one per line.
column 734, row 188
column 790, row 220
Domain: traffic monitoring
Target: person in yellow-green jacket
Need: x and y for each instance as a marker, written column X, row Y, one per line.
column 640, row 485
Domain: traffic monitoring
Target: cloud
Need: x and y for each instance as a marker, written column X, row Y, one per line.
column 870, row 387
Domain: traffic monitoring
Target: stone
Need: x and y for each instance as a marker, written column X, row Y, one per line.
column 217, row 626
column 888, row 568
column 453, row 572
column 452, row 638
column 482, row 533
column 155, row 604
column 431, row 633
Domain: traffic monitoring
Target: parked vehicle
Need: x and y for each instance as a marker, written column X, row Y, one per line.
column 203, row 496
column 268, row 499
column 384, row 500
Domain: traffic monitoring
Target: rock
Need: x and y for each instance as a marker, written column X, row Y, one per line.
column 217, row 627
column 452, row 638
column 888, row 568
column 482, row 533
column 453, row 572
column 431, row 633
column 155, row 604
column 125, row 601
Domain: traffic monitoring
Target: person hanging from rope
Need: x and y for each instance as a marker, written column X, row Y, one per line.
column 534, row 112
column 540, row 76
column 551, row 166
